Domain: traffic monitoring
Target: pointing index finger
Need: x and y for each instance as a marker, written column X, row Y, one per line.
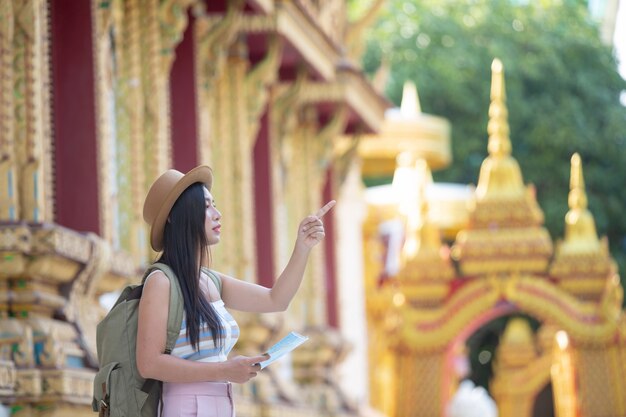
column 321, row 212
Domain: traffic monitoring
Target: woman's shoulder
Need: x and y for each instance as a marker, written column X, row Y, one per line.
column 216, row 278
column 206, row 269
column 156, row 279
column 213, row 273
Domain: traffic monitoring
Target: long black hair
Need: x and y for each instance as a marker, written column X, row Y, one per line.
column 184, row 245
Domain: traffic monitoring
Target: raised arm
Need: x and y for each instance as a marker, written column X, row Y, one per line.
column 244, row 296
column 152, row 362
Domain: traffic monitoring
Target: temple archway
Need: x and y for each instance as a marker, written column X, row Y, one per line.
column 514, row 351
column 428, row 339
column 523, row 355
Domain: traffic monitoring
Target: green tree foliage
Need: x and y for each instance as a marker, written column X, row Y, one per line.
column 562, row 87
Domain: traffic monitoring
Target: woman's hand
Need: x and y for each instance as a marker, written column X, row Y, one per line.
column 241, row 369
column 241, row 295
column 311, row 229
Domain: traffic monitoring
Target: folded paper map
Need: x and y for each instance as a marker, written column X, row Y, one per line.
column 284, row 346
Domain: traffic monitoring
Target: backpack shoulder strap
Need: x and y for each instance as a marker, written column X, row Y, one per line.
column 214, row 277
column 175, row 316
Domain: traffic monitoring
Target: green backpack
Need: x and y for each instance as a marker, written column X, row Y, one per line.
column 118, row 389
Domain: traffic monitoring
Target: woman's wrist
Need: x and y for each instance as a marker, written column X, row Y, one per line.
column 217, row 371
column 301, row 249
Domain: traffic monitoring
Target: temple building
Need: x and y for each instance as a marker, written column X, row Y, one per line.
column 99, row 97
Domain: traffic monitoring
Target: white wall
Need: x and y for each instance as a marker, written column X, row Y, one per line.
column 351, row 212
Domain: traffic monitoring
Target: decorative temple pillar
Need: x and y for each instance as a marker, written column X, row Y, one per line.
column 599, row 393
column 104, row 71
column 239, row 168
column 225, row 140
column 218, row 111
column 130, row 138
column 233, row 112
column 9, row 202
column 133, row 56
column 119, row 127
column 302, row 191
column 32, row 129
column 254, row 93
column 134, row 45
column 413, row 367
column 283, row 119
column 305, row 151
column 50, row 275
column 162, row 30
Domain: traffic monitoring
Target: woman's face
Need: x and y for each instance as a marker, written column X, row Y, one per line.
column 212, row 218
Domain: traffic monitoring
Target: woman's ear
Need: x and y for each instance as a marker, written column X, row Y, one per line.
column 168, row 220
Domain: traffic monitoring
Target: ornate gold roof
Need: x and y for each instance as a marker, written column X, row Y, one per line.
column 406, row 130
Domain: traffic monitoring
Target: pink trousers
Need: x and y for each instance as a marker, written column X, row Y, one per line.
column 198, row 399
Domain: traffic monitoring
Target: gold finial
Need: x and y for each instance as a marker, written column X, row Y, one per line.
column 410, row 105
column 498, row 127
column 497, row 81
column 577, row 196
column 580, row 228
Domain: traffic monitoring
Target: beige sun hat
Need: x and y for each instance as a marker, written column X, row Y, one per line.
column 163, row 194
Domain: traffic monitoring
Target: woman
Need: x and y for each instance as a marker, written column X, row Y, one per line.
column 184, row 221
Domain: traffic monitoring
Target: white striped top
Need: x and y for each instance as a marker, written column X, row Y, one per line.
column 207, row 351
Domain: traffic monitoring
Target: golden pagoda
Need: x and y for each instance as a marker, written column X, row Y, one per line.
column 503, row 267
column 505, row 222
column 582, row 262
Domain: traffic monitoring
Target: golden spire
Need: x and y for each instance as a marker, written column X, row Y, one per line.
column 498, row 127
column 500, row 175
column 577, row 198
column 580, row 228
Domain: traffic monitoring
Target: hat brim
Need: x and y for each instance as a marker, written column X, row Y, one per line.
column 202, row 174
